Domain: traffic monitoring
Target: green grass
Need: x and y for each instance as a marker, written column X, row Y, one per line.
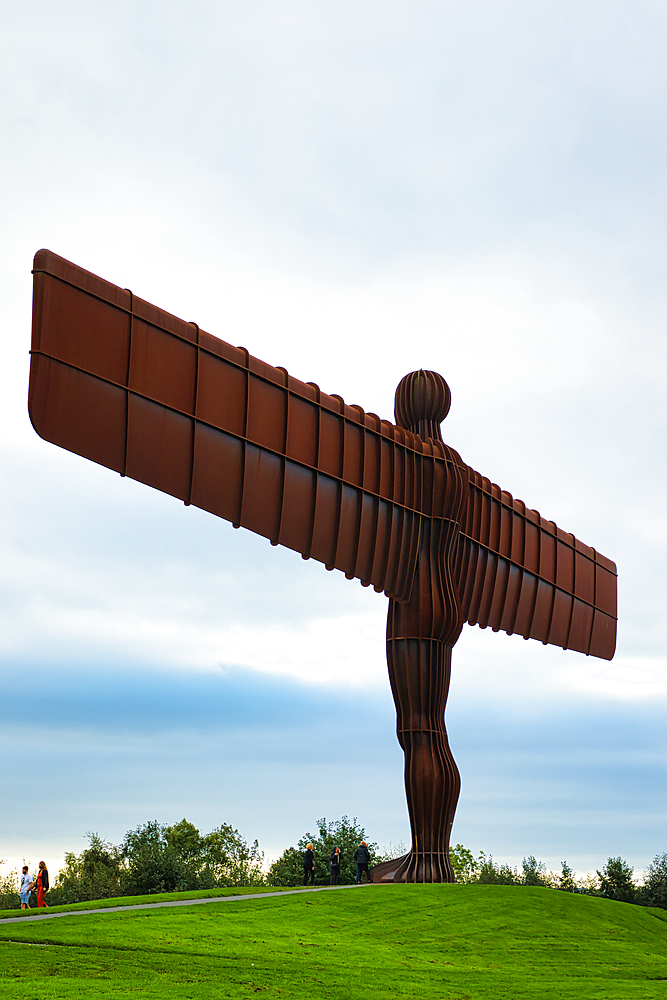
column 381, row 942
column 158, row 897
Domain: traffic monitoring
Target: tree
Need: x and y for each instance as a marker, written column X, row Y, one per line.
column 466, row 866
column 96, row 873
column 565, row 881
column 184, row 838
column 534, row 872
column 616, row 880
column 154, row 862
column 157, row 858
column 654, row 890
column 589, row 885
column 343, row 833
column 229, row 860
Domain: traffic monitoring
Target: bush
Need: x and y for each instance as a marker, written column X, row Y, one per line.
column 343, row 833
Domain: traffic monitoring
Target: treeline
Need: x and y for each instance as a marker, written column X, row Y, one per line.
column 156, row 858
column 615, row 881
column 151, row 858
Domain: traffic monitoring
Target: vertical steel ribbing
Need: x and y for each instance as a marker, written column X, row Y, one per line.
column 283, row 457
column 127, row 382
column 420, row 636
column 239, row 521
column 194, row 416
column 318, row 461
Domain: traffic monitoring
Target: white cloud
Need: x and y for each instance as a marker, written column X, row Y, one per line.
column 347, row 650
column 626, row 677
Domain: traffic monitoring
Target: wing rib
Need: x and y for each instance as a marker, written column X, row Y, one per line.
column 523, row 574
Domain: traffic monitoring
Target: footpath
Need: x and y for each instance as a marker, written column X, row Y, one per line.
column 176, row 902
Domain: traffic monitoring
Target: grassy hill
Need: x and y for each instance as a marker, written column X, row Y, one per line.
column 465, row 942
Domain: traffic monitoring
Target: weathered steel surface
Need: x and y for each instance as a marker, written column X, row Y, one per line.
column 420, row 635
column 133, row 388
column 127, row 385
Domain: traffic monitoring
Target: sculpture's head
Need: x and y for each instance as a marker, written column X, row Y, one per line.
column 422, row 402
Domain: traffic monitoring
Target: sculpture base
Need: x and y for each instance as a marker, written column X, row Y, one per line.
column 413, row 867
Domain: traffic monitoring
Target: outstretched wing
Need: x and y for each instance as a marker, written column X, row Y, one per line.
column 131, row 387
column 520, row 573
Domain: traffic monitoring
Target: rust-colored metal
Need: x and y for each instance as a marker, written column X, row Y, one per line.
column 131, row 387
column 421, row 633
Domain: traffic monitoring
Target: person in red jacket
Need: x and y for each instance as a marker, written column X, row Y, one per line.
column 42, row 883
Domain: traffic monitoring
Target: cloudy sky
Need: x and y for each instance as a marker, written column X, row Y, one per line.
column 351, row 190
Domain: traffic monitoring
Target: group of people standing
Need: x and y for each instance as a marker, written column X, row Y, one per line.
column 40, row 885
column 362, row 858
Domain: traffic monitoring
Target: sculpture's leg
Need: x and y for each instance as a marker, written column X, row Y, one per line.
column 420, row 636
column 419, row 671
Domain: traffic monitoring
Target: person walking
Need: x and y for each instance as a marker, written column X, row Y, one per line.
column 334, row 865
column 25, row 888
column 309, row 865
column 42, row 884
column 362, row 856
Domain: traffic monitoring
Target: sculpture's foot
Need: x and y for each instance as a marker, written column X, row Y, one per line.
column 414, row 867
column 386, row 870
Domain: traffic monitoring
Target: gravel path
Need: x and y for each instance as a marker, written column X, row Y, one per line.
column 176, row 902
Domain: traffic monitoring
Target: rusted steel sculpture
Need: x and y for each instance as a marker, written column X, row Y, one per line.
column 124, row 384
